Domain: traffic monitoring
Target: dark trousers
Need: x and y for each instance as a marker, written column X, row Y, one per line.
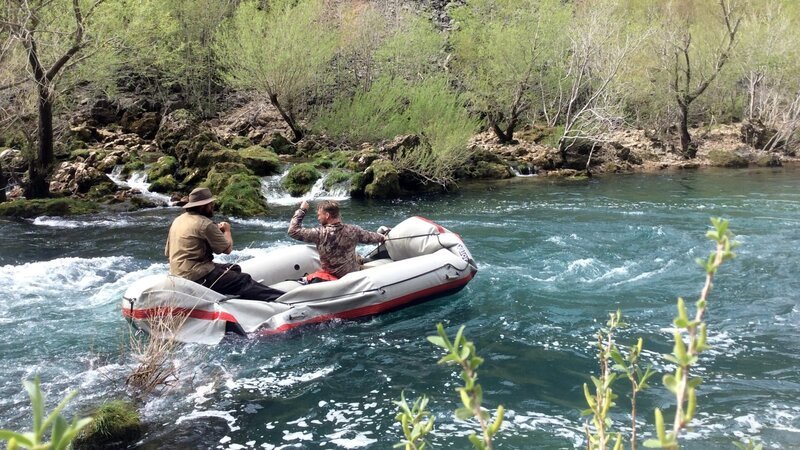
column 228, row 279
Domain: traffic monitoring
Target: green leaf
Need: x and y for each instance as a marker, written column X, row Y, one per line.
column 498, row 421
column 7, row 435
column 37, row 407
column 437, row 341
column 652, row 443
column 477, row 442
column 662, row 435
column 463, row 413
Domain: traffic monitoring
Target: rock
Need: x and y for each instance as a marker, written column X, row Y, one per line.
column 336, row 177
column 47, row 207
column 75, row 177
column 83, row 133
column 187, row 151
column 111, row 160
column 218, row 176
column 103, row 111
column 768, row 160
column 384, row 180
column 484, row 164
column 177, row 126
column 300, row 179
column 164, row 184
column 757, row 134
column 313, row 144
column 146, row 126
column 13, row 160
column 400, row 144
column 734, row 159
column 242, row 197
column 240, row 142
column 260, row 160
column 166, row 165
column 279, row 144
column 115, row 424
column 363, row 159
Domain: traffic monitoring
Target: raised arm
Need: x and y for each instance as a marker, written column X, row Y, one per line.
column 296, row 230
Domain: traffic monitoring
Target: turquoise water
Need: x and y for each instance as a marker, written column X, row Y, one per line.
column 555, row 258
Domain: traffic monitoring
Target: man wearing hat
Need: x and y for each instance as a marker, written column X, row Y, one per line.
column 192, row 241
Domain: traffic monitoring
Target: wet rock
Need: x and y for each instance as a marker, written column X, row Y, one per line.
column 164, row 184
column 384, row 180
column 300, row 179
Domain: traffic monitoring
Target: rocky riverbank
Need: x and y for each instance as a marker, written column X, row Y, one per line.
column 108, row 142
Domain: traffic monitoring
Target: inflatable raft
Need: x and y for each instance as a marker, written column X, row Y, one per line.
column 419, row 260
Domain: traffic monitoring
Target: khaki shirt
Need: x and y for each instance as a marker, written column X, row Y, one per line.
column 192, row 241
column 336, row 243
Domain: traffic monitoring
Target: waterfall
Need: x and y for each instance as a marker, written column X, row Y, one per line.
column 527, row 171
column 272, row 189
column 138, row 181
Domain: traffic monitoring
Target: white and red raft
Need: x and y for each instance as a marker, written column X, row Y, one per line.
column 419, row 261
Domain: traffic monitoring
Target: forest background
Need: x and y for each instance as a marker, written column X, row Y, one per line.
column 443, row 91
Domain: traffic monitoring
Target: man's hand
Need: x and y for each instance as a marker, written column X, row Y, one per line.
column 304, row 205
column 384, row 230
column 224, row 227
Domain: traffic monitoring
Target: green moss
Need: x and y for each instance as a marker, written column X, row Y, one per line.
column 134, row 165
column 323, row 163
column 213, row 154
column 166, row 165
column 260, row 160
column 219, row 176
column 47, row 207
column 336, row 176
column 80, row 153
column 300, row 179
column 769, row 160
column 164, row 184
column 116, row 422
column 242, row 197
column 359, row 182
column 280, row 144
column 385, row 180
column 102, row 190
column 240, row 142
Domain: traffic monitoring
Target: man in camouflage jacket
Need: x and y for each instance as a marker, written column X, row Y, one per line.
column 336, row 241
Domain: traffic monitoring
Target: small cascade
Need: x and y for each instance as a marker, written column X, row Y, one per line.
column 138, row 181
column 272, row 189
column 523, row 170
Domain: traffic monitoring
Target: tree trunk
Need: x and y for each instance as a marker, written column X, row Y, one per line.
column 39, row 167
column 3, row 183
column 687, row 147
column 296, row 130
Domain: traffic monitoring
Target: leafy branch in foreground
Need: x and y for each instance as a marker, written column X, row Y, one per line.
column 416, row 422
column 685, row 354
column 462, row 352
column 62, row 433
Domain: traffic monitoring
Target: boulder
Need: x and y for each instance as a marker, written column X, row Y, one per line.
column 177, row 126
column 166, row 165
column 47, row 207
column 768, row 160
column 261, row 161
column 300, row 179
column 13, row 160
column 279, row 144
column 75, row 177
column 218, row 177
column 103, row 111
column 732, row 159
column 384, row 180
column 164, row 184
column 755, row 133
column 240, row 142
column 336, row 177
column 400, row 144
column 145, row 126
column 242, row 197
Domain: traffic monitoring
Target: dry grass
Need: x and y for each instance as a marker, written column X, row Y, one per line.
column 155, row 353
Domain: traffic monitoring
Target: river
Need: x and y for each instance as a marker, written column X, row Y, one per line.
column 555, row 257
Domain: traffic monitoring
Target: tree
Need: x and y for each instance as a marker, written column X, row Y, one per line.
column 499, row 47
column 281, row 51
column 51, row 37
column 694, row 63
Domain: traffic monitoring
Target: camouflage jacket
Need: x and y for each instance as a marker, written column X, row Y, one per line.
column 336, row 243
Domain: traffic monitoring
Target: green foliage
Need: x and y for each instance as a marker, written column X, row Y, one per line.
column 281, row 50
column 62, row 432
column 415, row 421
column 413, row 51
column 393, row 107
column 461, row 352
column 47, row 207
column 300, row 179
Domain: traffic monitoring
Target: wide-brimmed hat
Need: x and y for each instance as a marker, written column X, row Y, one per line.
column 199, row 197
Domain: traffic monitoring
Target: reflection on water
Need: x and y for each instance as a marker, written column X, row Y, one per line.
column 555, row 257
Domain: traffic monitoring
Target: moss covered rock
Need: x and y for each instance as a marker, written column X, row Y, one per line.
column 164, row 184
column 47, row 207
column 385, row 180
column 769, row 160
column 723, row 158
column 166, row 165
column 242, row 197
column 279, row 144
column 336, row 177
column 134, row 165
column 219, row 176
column 300, row 179
column 240, row 142
column 176, row 127
column 261, row 161
column 115, row 424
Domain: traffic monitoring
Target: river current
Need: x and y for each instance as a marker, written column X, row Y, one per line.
column 555, row 257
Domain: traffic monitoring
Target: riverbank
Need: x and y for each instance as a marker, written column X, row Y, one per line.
column 169, row 155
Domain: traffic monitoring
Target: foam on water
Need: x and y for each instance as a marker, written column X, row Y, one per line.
column 273, row 190
column 138, row 181
column 57, row 222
